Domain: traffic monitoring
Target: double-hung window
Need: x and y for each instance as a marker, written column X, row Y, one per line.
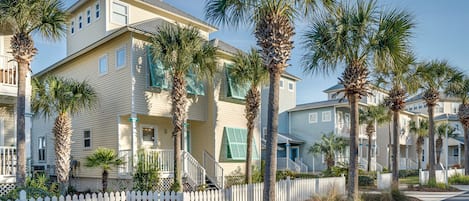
column 103, row 68
column 120, row 13
column 87, row 139
column 88, row 16
column 120, row 57
column 41, row 148
column 97, row 10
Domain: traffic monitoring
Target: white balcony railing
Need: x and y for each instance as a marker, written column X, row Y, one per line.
column 7, row 161
column 8, row 71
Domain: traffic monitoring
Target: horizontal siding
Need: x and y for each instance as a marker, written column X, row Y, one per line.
column 7, row 115
column 114, row 94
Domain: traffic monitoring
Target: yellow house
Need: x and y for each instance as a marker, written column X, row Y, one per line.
column 8, row 94
column 106, row 45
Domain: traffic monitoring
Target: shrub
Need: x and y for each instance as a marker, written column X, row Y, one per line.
column 433, row 184
column 408, row 173
column 364, row 180
column 394, row 195
column 36, row 187
column 459, row 179
column 147, row 173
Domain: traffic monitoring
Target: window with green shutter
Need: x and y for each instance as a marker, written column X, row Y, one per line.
column 235, row 90
column 159, row 77
column 235, row 144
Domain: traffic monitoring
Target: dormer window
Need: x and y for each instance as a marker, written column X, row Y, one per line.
column 120, row 13
column 88, row 16
column 97, row 10
column 80, row 22
column 72, row 27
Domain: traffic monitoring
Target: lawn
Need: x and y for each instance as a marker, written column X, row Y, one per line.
column 409, row 180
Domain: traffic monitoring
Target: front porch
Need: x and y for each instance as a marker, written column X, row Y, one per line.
column 289, row 156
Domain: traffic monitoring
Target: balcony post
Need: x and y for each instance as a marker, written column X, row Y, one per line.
column 287, row 150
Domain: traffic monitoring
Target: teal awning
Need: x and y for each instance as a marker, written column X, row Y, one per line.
column 235, row 90
column 235, row 144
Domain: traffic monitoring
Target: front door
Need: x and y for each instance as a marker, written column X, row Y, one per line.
column 294, row 153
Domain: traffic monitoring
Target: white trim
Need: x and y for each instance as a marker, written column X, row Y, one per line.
column 154, row 143
column 44, row 148
column 323, row 115
column 105, row 56
column 123, row 48
column 313, row 117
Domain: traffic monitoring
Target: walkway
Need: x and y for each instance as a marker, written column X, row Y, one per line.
column 446, row 196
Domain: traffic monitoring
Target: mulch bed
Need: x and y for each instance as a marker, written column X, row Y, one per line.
column 429, row 189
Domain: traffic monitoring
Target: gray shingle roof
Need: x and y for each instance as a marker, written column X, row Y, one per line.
column 443, row 97
column 335, row 87
column 149, row 26
column 319, row 104
column 165, row 6
column 225, row 47
column 449, row 117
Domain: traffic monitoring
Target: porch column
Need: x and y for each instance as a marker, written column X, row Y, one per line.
column 459, row 153
column 287, row 151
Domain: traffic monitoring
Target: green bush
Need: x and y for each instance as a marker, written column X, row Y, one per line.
column 459, row 179
column 433, row 184
column 364, row 180
column 408, row 173
column 147, row 173
column 36, row 187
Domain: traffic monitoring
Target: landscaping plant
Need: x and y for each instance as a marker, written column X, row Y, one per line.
column 105, row 159
column 147, row 172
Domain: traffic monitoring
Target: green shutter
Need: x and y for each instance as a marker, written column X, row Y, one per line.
column 235, row 144
column 157, row 72
column 237, row 91
column 193, row 85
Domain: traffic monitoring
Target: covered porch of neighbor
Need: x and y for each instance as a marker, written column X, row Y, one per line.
column 289, row 155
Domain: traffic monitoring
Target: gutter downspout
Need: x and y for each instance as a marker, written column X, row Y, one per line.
column 133, row 115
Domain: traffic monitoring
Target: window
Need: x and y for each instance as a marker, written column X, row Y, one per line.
column 235, row 143
column 456, row 152
column 313, row 117
column 281, row 84
column 41, row 148
column 290, row 86
column 72, row 27
column 97, row 10
column 103, row 65
column 88, row 16
column 264, row 133
column 120, row 57
column 326, row 116
column 334, row 96
column 119, row 13
column 87, row 138
column 236, row 91
column 148, row 135
column 80, row 22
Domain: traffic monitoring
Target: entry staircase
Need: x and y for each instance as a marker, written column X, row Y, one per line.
column 195, row 176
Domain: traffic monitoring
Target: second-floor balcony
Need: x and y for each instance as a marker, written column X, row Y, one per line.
column 8, row 76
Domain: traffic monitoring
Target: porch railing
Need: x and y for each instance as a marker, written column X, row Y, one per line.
column 126, row 168
column 194, row 172
column 7, row 161
column 213, row 169
column 8, row 71
column 284, row 163
column 303, row 166
column 165, row 160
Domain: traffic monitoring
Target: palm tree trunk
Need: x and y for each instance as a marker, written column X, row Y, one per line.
column 104, row 180
column 178, row 110
column 395, row 151
column 272, row 129
column 431, row 143
column 466, row 150
column 353, row 193
column 252, row 109
column 20, row 124
column 62, row 132
column 369, row 152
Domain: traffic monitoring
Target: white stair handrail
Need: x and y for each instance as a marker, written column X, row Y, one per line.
column 213, row 169
column 192, row 169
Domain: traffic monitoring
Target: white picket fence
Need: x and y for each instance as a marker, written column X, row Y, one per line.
column 440, row 175
column 286, row 190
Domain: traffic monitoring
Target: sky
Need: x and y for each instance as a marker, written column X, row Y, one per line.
column 442, row 32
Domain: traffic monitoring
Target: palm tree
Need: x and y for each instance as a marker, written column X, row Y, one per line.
column 22, row 18
column 401, row 84
column 274, row 30
column 354, row 36
column 249, row 69
column 433, row 77
column 460, row 89
column 104, row 158
column 329, row 145
column 441, row 131
column 62, row 98
column 182, row 51
column 371, row 117
column 421, row 131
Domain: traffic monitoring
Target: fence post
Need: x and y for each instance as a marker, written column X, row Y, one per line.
column 288, row 188
column 23, row 195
